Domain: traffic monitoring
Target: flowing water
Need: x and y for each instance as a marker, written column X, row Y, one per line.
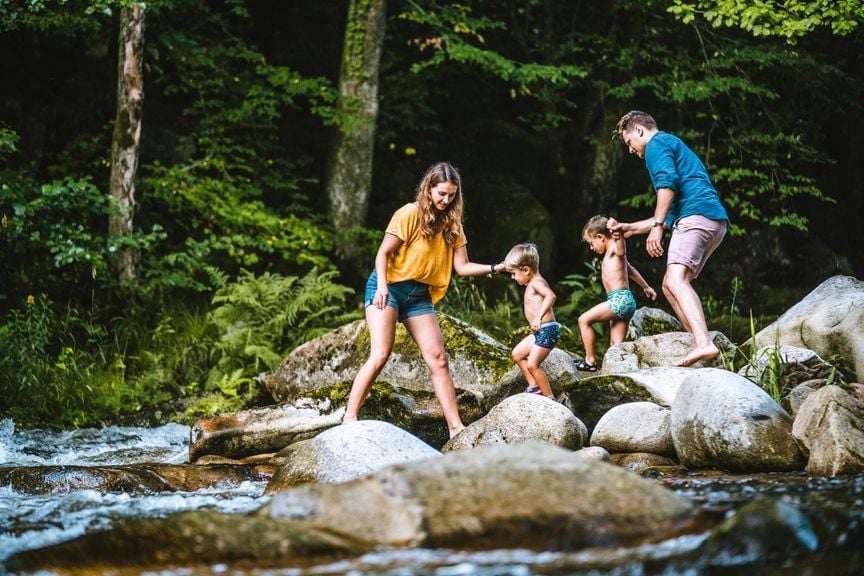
column 834, row 509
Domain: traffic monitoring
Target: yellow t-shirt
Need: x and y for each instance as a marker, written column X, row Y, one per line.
column 426, row 260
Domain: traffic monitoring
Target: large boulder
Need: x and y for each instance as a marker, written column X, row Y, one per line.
column 510, row 495
column 830, row 426
column 521, row 418
column 635, row 427
column 347, row 452
column 723, row 420
column 262, row 430
column 660, row 350
column 477, row 361
column 530, row 495
column 829, row 321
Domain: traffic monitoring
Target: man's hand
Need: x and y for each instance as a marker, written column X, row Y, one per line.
column 654, row 245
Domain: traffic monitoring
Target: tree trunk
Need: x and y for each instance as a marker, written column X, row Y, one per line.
column 349, row 173
column 127, row 132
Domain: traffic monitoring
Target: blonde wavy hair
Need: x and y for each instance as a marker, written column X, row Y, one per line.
column 433, row 221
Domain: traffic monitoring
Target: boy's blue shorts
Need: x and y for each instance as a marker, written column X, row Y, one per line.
column 409, row 297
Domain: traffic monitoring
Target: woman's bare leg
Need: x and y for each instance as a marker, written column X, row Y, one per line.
column 426, row 332
column 382, row 331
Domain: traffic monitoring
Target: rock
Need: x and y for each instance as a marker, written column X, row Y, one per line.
column 759, row 532
column 799, row 393
column 347, row 452
column 477, row 361
column 594, row 453
column 528, row 495
column 661, row 383
column 130, row 478
column 659, row 350
column 560, row 369
column 635, row 427
column 590, row 398
column 639, row 461
column 829, row 321
column 262, row 430
column 521, row 418
column 723, row 420
column 187, row 539
column 651, row 321
column 830, row 427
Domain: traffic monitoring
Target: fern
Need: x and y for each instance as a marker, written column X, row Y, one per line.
column 259, row 319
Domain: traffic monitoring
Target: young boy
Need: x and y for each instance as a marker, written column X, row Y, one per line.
column 620, row 303
column 523, row 264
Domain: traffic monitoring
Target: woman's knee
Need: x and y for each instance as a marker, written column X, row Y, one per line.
column 436, row 359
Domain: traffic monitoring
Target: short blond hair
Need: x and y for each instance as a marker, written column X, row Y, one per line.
column 523, row 255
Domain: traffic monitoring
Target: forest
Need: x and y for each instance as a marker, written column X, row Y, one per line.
column 189, row 189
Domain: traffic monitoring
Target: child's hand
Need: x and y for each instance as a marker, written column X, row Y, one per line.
column 650, row 293
column 535, row 324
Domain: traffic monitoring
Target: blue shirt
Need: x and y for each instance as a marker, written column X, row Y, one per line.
column 671, row 164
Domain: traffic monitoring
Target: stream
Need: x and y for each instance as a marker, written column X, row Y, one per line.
column 833, row 506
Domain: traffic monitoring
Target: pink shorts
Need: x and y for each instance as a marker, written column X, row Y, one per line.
column 694, row 239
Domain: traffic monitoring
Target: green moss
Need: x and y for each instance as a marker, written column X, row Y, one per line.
column 592, row 397
column 652, row 326
column 459, row 339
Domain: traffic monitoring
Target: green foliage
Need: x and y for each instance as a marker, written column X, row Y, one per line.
column 585, row 290
column 226, row 227
column 56, row 237
column 790, row 19
column 55, row 371
column 259, row 319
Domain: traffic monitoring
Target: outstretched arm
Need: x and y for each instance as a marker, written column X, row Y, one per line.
column 634, row 274
column 465, row 267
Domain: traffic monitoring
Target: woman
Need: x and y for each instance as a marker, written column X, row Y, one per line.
column 423, row 243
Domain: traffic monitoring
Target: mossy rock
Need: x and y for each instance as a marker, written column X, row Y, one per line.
column 477, row 361
column 590, row 398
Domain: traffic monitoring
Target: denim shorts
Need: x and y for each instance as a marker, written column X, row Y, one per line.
column 548, row 335
column 409, row 297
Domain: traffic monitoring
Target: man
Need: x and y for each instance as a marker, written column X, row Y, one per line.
column 688, row 204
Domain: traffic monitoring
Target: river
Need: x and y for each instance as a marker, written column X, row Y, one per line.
column 833, row 507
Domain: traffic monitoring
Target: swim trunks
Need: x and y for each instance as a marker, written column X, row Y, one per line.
column 622, row 303
column 548, row 335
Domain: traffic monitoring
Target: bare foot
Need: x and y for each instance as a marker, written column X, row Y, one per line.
column 705, row 352
column 456, row 431
column 347, row 419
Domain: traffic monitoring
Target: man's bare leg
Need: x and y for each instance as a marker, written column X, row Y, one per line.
column 679, row 290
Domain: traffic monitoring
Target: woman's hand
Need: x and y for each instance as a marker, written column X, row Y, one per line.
column 381, row 296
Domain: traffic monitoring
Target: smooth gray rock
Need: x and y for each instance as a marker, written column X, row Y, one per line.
column 521, row 418
column 723, row 420
column 829, row 320
column 635, row 427
column 347, row 452
column 649, row 321
column 659, row 350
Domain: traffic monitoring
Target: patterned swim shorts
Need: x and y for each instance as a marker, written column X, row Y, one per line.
column 622, row 303
column 548, row 335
